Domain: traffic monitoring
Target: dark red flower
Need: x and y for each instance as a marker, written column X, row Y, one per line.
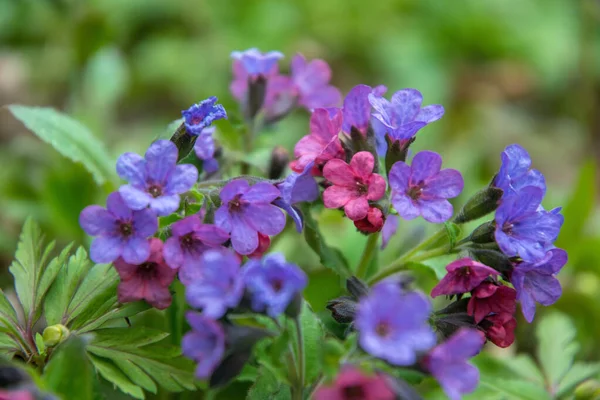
column 500, row 329
column 148, row 281
column 264, row 241
column 372, row 223
column 352, row 384
column 490, row 298
column 463, row 276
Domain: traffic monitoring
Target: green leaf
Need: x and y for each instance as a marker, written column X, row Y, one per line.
column 578, row 373
column 8, row 315
column 513, row 389
column 101, row 93
column 525, row 367
column 109, row 371
column 312, row 339
column 453, row 232
column 267, row 386
column 120, row 311
column 39, row 344
column 142, row 359
column 556, row 348
column 330, row 257
column 69, row 372
column 69, row 137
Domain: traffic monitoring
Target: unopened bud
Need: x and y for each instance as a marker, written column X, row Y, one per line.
column 343, row 309
column 229, row 368
column 257, row 89
column 482, row 203
column 484, row 233
column 241, row 338
column 184, row 141
column 280, row 158
column 55, row 334
column 397, row 150
column 493, row 259
column 448, row 324
column 356, row 287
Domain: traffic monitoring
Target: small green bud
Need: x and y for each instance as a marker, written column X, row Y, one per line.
column 484, row 233
column 55, row 334
column 184, row 141
column 397, row 150
column 482, row 203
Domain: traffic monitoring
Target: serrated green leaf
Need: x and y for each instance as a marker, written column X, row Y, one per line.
column 312, row 339
column 249, row 374
column 50, row 273
column 330, row 257
column 69, row 372
column 98, row 285
column 556, row 346
column 8, row 346
column 118, row 312
column 525, row 367
column 69, row 137
column 267, row 386
column 578, row 373
column 113, row 374
column 8, row 315
column 513, row 389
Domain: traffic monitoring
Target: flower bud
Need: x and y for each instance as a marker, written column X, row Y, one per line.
column 343, row 309
column 184, row 141
column 356, row 287
column 372, row 223
column 280, row 158
column 229, row 368
column 241, row 338
column 482, row 203
column 494, row 259
column 257, row 89
column 484, row 233
column 55, row 334
column 397, row 150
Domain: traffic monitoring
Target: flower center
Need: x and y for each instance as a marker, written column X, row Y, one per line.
column 361, row 188
column 382, row 329
column 465, row 271
column 235, row 204
column 155, row 190
column 125, row 229
column 147, row 270
column 415, row 191
column 196, row 119
column 354, row 392
column 277, row 285
column 508, row 228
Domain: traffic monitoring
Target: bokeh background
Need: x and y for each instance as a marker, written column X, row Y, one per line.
column 525, row 71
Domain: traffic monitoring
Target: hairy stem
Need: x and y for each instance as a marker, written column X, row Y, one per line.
column 367, row 255
column 300, row 359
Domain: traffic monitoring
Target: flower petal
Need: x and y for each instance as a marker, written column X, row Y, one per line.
column 211, row 235
column 425, row 164
column 181, row 179
column 136, row 250
column 261, row 192
column 436, row 210
column 265, row 218
column 232, row 189
column 389, row 229
column 161, row 158
column 448, row 183
column 95, row 220
column 338, row 172
column 357, row 109
column 405, row 206
column 430, row 113
column 406, row 104
column 337, row 196
column 165, row 205
column 244, row 239
column 376, row 187
column 362, row 164
column 116, row 206
column 134, row 198
column 399, row 177
column 357, row 208
column 172, row 252
column 145, row 223
column 132, row 168
column 106, row 249
column 223, row 218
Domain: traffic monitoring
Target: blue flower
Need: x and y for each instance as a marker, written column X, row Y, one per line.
column 218, row 284
column 205, row 343
column 205, row 150
column 516, row 173
column 357, row 109
column 156, row 180
column 297, row 188
column 255, row 62
column 273, row 283
column 447, row 362
column 392, row 324
column 201, row 115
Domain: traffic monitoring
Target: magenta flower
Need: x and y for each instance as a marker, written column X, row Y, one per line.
column 354, row 185
column 190, row 238
column 423, row 189
column 272, row 283
column 255, row 62
column 322, row 144
column 372, row 223
column 463, row 276
column 246, row 211
column 311, row 80
column 156, row 180
column 202, row 115
column 357, row 109
column 389, row 229
column 525, row 229
column 402, row 117
column 392, row 324
column 148, row 281
column 218, row 284
column 516, row 173
column 205, row 150
column 447, row 362
column 297, row 188
column 120, row 231
column 500, row 329
column 352, row 384
column 490, row 298
column 205, row 343
column 536, row 282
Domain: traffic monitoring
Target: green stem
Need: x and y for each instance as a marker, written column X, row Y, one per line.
column 367, row 255
column 300, row 359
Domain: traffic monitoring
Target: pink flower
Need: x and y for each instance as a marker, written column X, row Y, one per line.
column 311, row 80
column 148, row 281
column 500, row 329
column 372, row 223
column 352, row 384
column 463, row 276
column 322, row 144
column 489, row 298
column 353, row 185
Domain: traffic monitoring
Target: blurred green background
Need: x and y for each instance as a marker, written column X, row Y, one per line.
column 507, row 71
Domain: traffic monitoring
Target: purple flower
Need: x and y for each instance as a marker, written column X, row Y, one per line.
column 189, row 239
column 447, row 362
column 463, row 276
column 256, row 63
column 402, row 117
column 523, row 228
column 201, row 115
column 120, row 231
column 297, row 188
column 312, row 83
column 205, row 343
column 219, row 284
column 392, row 324
column 205, row 150
column 422, row 188
column 273, row 283
column 246, row 211
column 155, row 180
column 515, row 172
column 357, row 109
column 389, row 229
column 536, row 282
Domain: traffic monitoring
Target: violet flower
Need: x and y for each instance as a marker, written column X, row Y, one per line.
column 524, row 229
column 255, row 62
column 311, row 80
column 357, row 109
column 202, row 115
column 148, row 281
column 536, row 282
column 218, row 285
column 119, row 231
column 516, row 173
column 155, row 180
column 352, row 384
column 297, row 188
column 205, row 150
column 448, row 362
column 463, row 276
column 205, row 343
column 272, row 283
column 246, row 211
column 389, row 229
column 423, row 189
column 392, row 324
